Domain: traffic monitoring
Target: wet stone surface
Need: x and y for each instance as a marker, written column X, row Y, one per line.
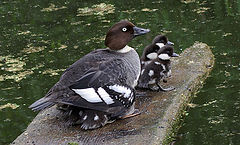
column 160, row 110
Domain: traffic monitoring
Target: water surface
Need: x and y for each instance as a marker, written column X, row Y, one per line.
column 39, row 39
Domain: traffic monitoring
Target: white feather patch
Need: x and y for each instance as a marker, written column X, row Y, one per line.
column 142, row 71
column 105, row 96
column 162, row 74
column 163, row 67
column 151, row 73
column 152, row 55
column 131, row 98
column 96, row 117
column 135, row 83
column 169, row 73
column 136, row 80
column 88, row 94
column 85, row 117
column 147, row 62
column 160, row 45
column 153, row 81
column 157, row 63
column 121, row 89
column 125, row 49
column 164, row 56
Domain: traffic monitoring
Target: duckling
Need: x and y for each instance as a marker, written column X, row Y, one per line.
column 99, row 87
column 158, row 69
column 150, row 51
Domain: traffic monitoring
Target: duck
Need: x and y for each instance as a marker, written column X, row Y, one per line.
column 150, row 51
column 158, row 69
column 99, row 87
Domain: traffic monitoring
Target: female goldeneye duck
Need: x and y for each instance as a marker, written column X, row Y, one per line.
column 157, row 69
column 150, row 51
column 99, row 87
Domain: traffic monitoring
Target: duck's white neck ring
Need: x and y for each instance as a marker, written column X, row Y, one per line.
column 124, row 49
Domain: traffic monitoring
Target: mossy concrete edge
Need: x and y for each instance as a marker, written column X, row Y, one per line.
column 188, row 95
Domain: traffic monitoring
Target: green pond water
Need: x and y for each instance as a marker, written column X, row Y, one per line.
column 39, row 39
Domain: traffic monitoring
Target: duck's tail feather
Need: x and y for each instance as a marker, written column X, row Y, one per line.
column 41, row 104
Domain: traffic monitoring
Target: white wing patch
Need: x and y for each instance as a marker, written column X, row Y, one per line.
column 122, row 90
column 96, row 117
column 164, row 56
column 105, row 96
column 151, row 73
column 88, row 94
column 160, row 45
column 152, row 55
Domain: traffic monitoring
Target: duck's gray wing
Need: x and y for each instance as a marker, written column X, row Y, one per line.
column 83, row 65
column 102, row 88
column 69, row 77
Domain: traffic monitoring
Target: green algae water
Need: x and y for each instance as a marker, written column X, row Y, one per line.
column 40, row 39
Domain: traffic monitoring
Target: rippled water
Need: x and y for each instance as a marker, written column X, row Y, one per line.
column 39, row 39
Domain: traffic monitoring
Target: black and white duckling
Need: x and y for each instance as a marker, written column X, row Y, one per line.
column 157, row 69
column 150, row 51
column 99, row 87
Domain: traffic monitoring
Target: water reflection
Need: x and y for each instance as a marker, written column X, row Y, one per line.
column 39, row 39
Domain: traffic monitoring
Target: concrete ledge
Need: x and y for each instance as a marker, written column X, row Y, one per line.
column 160, row 110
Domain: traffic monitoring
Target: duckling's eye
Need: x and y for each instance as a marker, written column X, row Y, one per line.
column 124, row 29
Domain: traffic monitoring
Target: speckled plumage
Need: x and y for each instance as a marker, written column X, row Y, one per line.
column 157, row 69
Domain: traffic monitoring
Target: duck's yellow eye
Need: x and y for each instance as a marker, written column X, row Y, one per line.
column 124, row 29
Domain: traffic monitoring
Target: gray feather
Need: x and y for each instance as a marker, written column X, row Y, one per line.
column 41, row 104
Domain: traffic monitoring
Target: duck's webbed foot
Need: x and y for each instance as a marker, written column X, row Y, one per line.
column 160, row 88
column 135, row 113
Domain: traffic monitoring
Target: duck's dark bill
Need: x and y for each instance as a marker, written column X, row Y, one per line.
column 175, row 55
column 170, row 43
column 140, row 31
